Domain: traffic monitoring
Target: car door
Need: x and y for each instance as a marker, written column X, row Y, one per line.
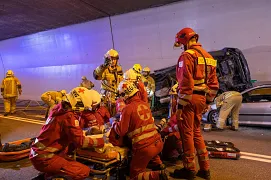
column 256, row 107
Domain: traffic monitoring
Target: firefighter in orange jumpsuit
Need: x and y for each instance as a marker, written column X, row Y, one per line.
column 198, row 85
column 10, row 89
column 48, row 152
column 137, row 122
column 133, row 76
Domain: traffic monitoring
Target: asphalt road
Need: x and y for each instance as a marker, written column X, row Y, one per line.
column 249, row 140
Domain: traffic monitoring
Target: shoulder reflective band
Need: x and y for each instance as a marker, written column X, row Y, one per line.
column 190, row 51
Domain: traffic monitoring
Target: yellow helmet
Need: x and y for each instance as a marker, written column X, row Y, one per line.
column 137, row 68
column 112, row 53
column 146, row 69
column 10, row 73
column 131, row 75
column 64, row 92
column 127, row 89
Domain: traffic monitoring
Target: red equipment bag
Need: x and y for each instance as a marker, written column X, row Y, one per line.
column 223, row 150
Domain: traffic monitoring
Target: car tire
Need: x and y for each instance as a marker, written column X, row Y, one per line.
column 213, row 116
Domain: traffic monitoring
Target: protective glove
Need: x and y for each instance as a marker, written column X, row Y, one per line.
column 112, row 120
column 161, row 125
column 107, row 62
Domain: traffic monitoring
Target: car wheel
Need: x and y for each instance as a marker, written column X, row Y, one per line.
column 213, row 116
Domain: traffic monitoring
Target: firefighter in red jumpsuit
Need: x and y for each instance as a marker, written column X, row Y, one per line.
column 133, row 76
column 61, row 129
column 173, row 142
column 198, row 85
column 137, row 123
column 97, row 116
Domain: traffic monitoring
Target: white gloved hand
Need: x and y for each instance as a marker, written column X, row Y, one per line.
column 112, row 120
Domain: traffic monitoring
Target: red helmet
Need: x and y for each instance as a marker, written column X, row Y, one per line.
column 184, row 36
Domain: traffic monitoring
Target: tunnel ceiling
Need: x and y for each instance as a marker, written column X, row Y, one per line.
column 22, row 17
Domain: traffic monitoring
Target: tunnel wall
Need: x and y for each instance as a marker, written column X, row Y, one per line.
column 56, row 59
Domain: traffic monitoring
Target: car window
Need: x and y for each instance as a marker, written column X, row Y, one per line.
column 258, row 95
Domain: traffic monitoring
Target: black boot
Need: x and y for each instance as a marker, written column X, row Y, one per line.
column 159, row 167
column 204, row 174
column 41, row 176
column 184, row 174
column 233, row 128
column 6, row 114
column 5, row 148
column 163, row 175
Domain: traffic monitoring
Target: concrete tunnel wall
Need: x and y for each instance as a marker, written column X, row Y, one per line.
column 56, row 59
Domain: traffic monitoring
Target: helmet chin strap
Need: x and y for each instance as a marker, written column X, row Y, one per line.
column 185, row 47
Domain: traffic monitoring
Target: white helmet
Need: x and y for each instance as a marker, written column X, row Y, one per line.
column 10, row 73
column 127, row 89
column 96, row 97
column 131, row 75
column 173, row 90
column 84, row 78
column 80, row 98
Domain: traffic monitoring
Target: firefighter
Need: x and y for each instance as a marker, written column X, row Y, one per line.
column 137, row 68
column 86, row 83
column 198, row 85
column 173, row 141
column 61, row 129
column 110, row 73
column 149, row 84
column 10, row 89
column 228, row 102
column 131, row 75
column 137, row 122
column 52, row 98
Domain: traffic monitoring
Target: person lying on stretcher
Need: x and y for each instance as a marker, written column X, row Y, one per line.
column 7, row 147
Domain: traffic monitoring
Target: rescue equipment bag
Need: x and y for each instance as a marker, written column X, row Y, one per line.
column 221, row 149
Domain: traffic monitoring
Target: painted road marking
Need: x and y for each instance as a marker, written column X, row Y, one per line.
column 33, row 121
column 256, row 155
column 256, row 159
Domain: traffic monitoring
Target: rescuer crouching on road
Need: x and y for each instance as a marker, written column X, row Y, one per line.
column 137, row 123
column 61, row 129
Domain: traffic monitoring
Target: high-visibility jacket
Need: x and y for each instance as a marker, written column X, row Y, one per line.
column 221, row 98
column 196, row 73
column 10, row 87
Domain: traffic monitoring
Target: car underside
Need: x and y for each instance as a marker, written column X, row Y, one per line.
column 232, row 72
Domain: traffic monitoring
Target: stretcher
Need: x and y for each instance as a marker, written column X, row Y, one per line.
column 222, row 150
column 107, row 161
column 17, row 150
